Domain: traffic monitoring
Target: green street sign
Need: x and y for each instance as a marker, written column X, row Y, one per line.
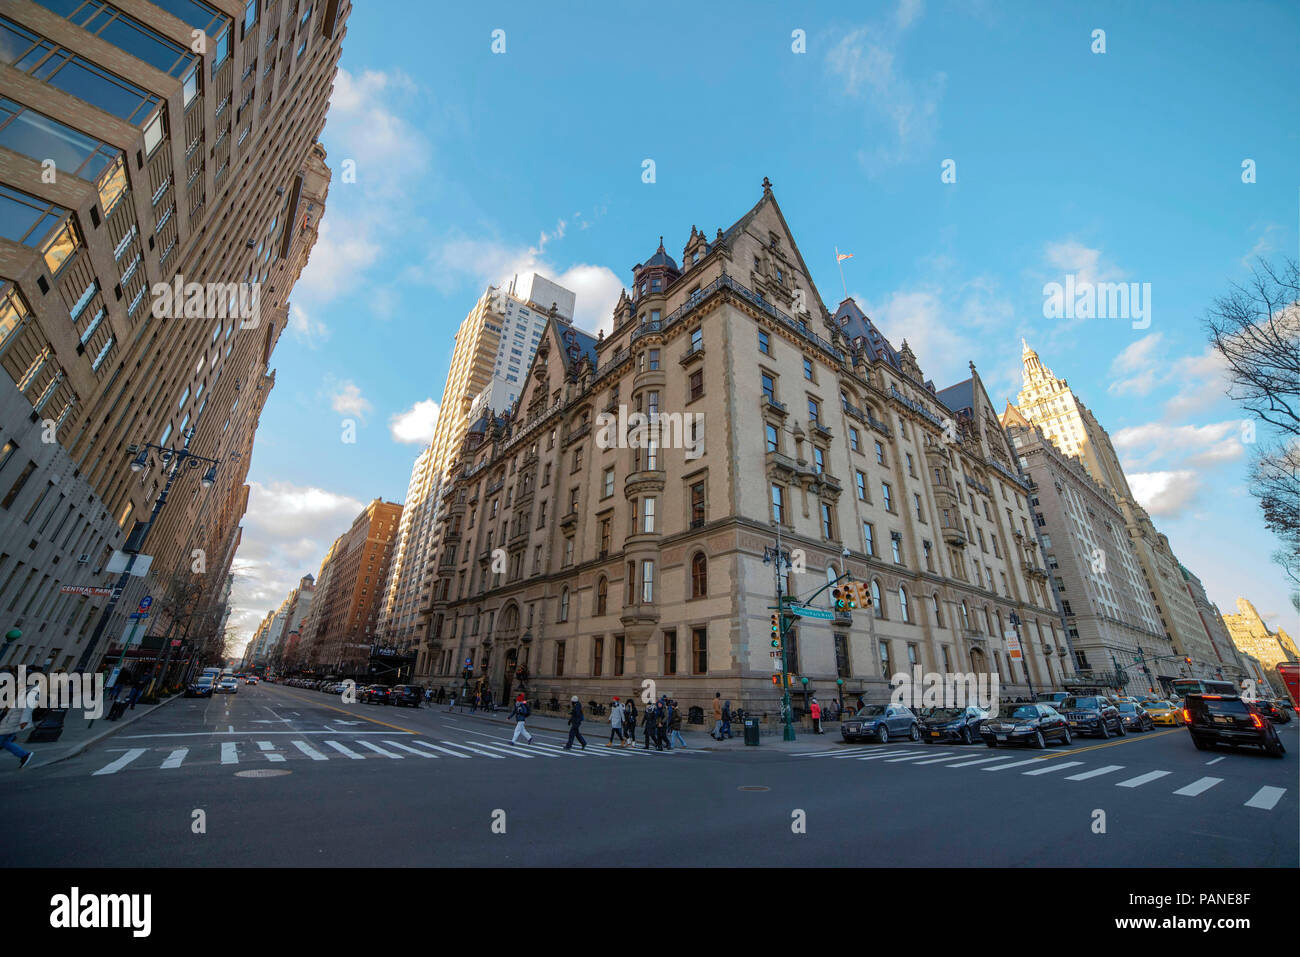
column 811, row 613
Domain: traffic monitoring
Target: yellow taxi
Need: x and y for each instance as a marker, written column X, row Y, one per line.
column 1163, row 712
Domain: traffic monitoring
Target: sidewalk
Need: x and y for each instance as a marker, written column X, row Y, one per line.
column 596, row 730
column 79, row 733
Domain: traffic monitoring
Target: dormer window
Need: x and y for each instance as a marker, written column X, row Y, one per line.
column 695, row 256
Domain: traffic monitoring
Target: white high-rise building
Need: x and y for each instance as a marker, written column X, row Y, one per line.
column 398, row 616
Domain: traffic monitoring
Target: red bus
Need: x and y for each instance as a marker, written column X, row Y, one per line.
column 1289, row 672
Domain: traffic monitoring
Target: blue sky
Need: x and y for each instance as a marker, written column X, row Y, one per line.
column 471, row 166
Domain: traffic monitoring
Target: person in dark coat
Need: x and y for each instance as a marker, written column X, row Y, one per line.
column 629, row 720
column 575, row 722
column 651, row 727
column 665, row 719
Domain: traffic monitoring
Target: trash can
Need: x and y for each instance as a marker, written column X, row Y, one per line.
column 751, row 731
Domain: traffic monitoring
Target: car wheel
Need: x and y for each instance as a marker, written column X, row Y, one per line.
column 1066, row 738
column 965, row 736
column 1039, row 741
column 915, row 733
column 1200, row 745
column 1105, row 731
column 883, row 735
column 1276, row 749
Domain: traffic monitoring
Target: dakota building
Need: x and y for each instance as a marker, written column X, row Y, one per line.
column 587, row 569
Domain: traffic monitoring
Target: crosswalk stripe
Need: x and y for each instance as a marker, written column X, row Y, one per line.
column 1142, row 779
column 267, row 746
column 513, row 752
column 486, row 754
column 1095, row 772
column 877, row 756
column 378, row 750
column 822, row 754
column 1198, row 787
column 1055, row 767
column 454, row 754
column 308, row 750
column 966, row 764
column 556, row 749
column 175, row 758
column 1013, row 764
column 550, row 752
column 229, row 753
column 341, row 749
column 906, row 757
column 1266, row 798
column 946, row 757
column 121, row 762
column 406, row 747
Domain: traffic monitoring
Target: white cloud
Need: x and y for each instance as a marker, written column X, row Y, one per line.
column 416, row 425
column 1201, row 445
column 287, row 530
column 1136, row 367
column 305, row 328
column 865, row 60
column 1084, row 262
column 336, row 259
column 1165, row 494
column 348, row 400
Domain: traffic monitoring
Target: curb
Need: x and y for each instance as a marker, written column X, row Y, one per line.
column 97, row 737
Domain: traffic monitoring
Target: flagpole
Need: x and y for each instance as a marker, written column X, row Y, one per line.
column 840, row 266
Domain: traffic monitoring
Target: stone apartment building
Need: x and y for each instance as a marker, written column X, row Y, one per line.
column 1252, row 637
column 173, row 165
column 595, row 566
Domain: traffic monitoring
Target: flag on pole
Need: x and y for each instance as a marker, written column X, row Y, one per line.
column 840, row 257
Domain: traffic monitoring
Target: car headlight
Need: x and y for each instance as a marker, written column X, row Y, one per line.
column 1023, row 727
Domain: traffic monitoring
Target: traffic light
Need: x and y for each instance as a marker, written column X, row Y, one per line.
column 1187, row 661
column 864, row 593
column 840, row 593
column 776, row 678
column 776, row 629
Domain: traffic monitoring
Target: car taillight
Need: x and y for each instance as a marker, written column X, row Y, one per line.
column 1257, row 722
column 1187, row 716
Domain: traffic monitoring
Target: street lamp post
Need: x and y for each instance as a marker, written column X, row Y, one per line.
column 1024, row 652
column 176, row 458
column 778, row 557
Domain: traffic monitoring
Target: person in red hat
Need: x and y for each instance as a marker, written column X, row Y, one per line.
column 616, row 725
column 519, row 713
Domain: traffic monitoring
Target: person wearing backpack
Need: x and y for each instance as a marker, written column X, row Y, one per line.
column 520, row 713
column 575, row 722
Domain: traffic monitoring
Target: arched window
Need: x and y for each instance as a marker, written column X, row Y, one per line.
column 938, row 611
column 602, row 595
column 699, row 575
column 988, row 622
column 877, row 601
column 903, row 612
column 564, row 605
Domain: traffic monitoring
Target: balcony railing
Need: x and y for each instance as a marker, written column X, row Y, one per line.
column 879, row 426
column 915, row 406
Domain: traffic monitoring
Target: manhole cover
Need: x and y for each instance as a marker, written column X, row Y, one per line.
column 262, row 773
column 753, row 787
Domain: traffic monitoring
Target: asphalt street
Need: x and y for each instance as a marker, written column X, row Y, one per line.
column 291, row 777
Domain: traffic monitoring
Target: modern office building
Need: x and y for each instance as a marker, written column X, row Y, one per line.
column 161, row 186
column 398, row 617
column 631, row 556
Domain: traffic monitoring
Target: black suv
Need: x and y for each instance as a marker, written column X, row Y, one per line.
column 406, row 695
column 1270, row 710
column 1226, row 719
column 1092, row 714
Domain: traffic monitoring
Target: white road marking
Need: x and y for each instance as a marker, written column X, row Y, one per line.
column 407, row 747
column 1055, row 767
column 966, row 764
column 877, row 756
column 378, row 750
column 229, row 754
column 948, row 757
column 1013, row 764
column 822, row 754
column 1197, row 787
column 1096, row 772
column 513, row 752
column 267, row 747
column 487, row 754
column 1142, row 779
column 308, row 750
column 454, row 754
column 175, row 758
column 121, row 762
column 1266, row 798
column 1216, row 760
column 906, row 757
column 230, row 729
column 342, row 750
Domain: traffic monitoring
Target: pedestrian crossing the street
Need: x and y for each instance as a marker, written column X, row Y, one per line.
column 1263, row 798
column 393, row 748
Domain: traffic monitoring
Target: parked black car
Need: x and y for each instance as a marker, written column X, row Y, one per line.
column 1092, row 714
column 1226, row 719
column 880, row 721
column 1271, row 711
column 374, row 694
column 406, row 695
column 1034, row 724
column 953, row 724
column 1134, row 718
